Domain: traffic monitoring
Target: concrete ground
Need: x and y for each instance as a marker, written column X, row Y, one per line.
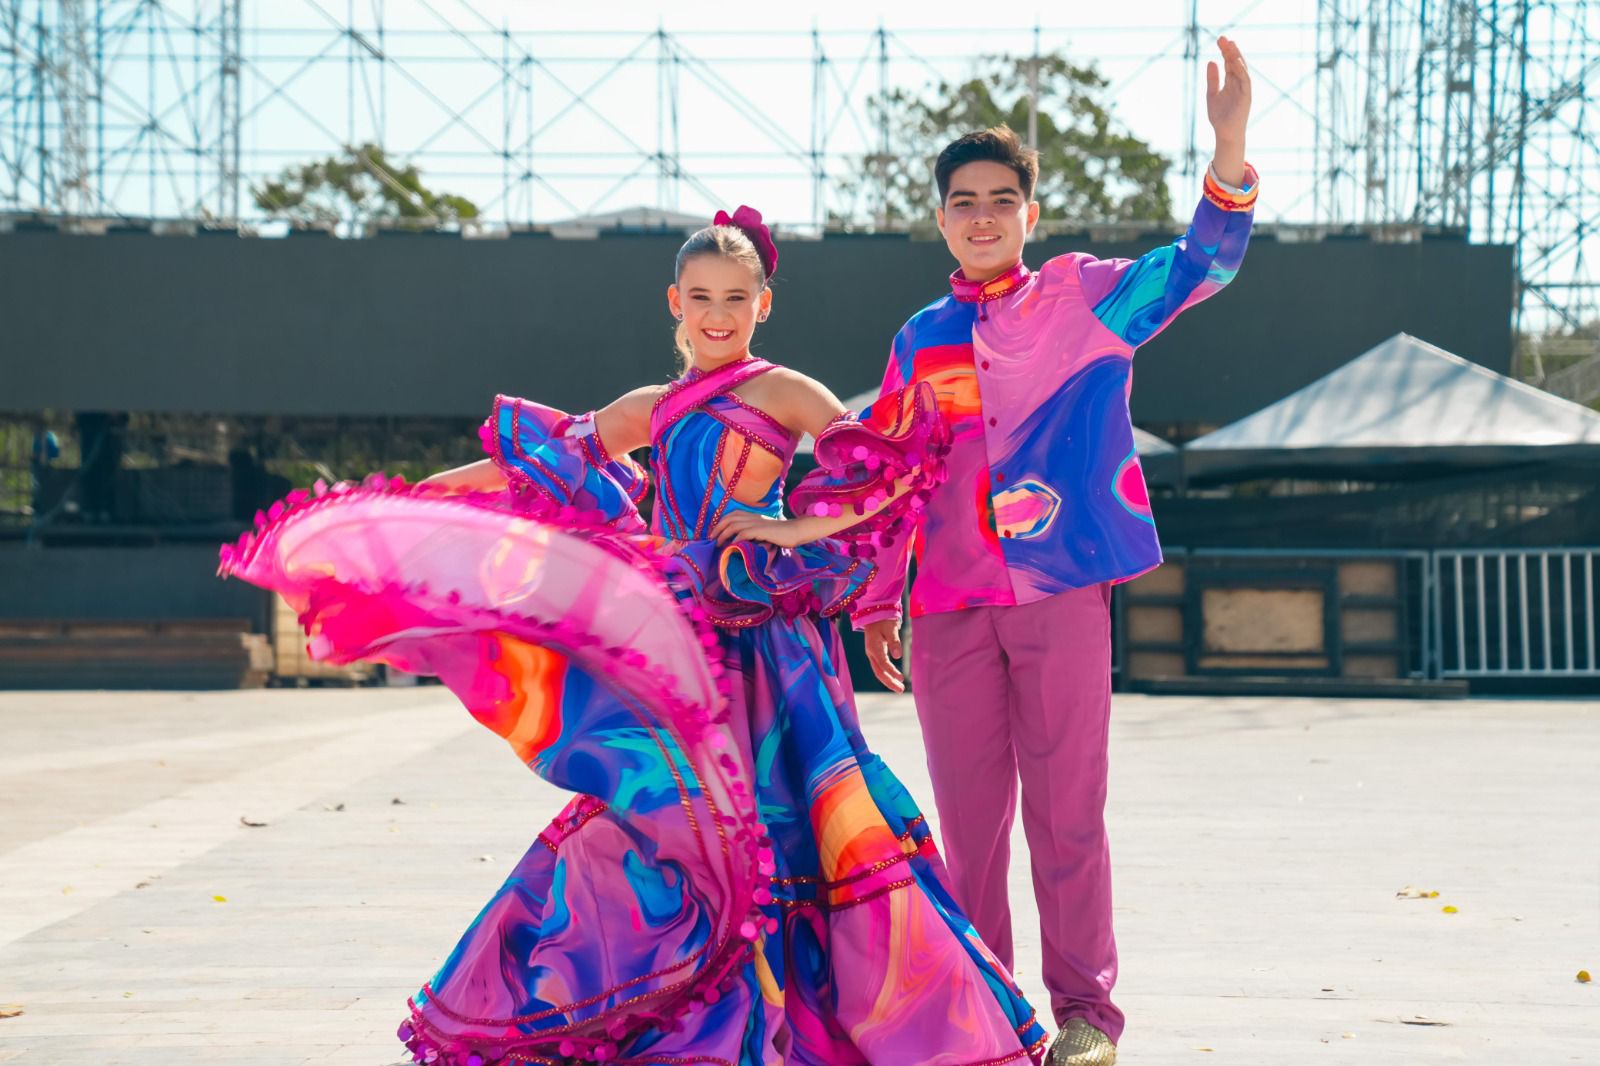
column 1259, row 846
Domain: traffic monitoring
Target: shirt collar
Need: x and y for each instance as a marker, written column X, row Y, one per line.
column 983, row 291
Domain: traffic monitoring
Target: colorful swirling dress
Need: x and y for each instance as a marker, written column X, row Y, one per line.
column 738, row 880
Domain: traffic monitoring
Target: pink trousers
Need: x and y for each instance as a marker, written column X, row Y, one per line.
column 1025, row 692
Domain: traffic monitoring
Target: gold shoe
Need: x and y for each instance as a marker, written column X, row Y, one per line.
column 1081, row 1044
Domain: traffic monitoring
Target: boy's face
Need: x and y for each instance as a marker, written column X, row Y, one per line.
column 985, row 219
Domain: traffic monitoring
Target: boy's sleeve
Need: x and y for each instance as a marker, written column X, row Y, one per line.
column 1136, row 298
column 882, row 596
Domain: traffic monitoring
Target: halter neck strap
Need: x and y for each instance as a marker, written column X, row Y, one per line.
column 695, row 389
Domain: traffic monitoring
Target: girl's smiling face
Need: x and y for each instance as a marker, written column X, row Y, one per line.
column 720, row 300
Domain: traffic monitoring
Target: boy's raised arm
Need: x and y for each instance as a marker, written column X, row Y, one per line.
column 1137, row 298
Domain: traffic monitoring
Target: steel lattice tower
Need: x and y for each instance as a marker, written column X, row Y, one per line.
column 1471, row 117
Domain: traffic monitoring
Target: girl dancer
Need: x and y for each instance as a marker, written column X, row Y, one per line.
column 739, row 880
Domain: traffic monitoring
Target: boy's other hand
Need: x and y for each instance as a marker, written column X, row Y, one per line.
column 883, row 651
column 1228, row 108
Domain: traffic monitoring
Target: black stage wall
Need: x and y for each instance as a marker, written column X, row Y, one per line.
column 165, row 582
column 433, row 324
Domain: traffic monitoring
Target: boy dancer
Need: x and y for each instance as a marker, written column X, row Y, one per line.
column 1044, row 510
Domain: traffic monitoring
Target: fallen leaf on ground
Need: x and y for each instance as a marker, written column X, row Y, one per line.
column 334, row 807
column 142, row 884
column 10, row 1010
column 1412, row 892
column 1449, row 909
column 220, row 899
column 1418, row 1019
column 397, row 802
column 486, row 858
column 1583, row 977
column 246, row 820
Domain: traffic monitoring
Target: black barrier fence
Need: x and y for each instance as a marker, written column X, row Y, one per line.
column 433, row 326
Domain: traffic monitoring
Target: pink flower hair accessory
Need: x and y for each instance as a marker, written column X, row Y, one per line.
column 748, row 220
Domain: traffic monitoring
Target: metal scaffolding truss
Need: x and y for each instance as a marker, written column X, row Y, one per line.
column 145, row 109
column 1474, row 117
column 96, row 98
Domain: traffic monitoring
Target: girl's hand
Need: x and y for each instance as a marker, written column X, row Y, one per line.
column 1228, row 108
column 778, row 532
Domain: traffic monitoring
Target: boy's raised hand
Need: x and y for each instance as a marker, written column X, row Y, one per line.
column 1228, row 108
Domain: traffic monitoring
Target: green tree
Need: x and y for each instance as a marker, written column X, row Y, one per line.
column 1564, row 360
column 1090, row 170
column 358, row 190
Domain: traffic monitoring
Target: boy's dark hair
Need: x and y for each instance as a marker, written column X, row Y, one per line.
column 994, row 145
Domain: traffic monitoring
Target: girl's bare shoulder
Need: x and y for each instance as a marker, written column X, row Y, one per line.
column 790, row 381
column 798, row 400
column 640, row 400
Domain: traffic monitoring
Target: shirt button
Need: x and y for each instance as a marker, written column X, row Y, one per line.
column 985, row 364
column 994, row 421
column 1000, row 479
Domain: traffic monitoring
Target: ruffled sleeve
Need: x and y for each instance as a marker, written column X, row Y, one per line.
column 557, row 463
column 902, row 437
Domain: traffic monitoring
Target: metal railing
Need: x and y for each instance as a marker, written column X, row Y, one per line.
column 1516, row 612
column 1513, row 613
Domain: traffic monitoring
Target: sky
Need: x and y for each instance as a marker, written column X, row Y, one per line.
column 744, row 121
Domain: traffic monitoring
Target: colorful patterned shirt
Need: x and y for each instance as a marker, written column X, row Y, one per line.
column 1033, row 371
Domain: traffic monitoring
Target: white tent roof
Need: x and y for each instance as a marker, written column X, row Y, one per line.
column 1148, row 445
column 629, row 218
column 1403, row 402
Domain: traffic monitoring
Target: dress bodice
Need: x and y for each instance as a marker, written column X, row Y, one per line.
column 703, row 439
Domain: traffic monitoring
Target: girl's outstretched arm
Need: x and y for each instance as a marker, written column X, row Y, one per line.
column 793, row 532
column 623, row 425
column 481, row 476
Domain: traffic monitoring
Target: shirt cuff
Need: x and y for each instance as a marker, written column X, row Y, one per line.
column 863, row 617
column 1232, row 197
